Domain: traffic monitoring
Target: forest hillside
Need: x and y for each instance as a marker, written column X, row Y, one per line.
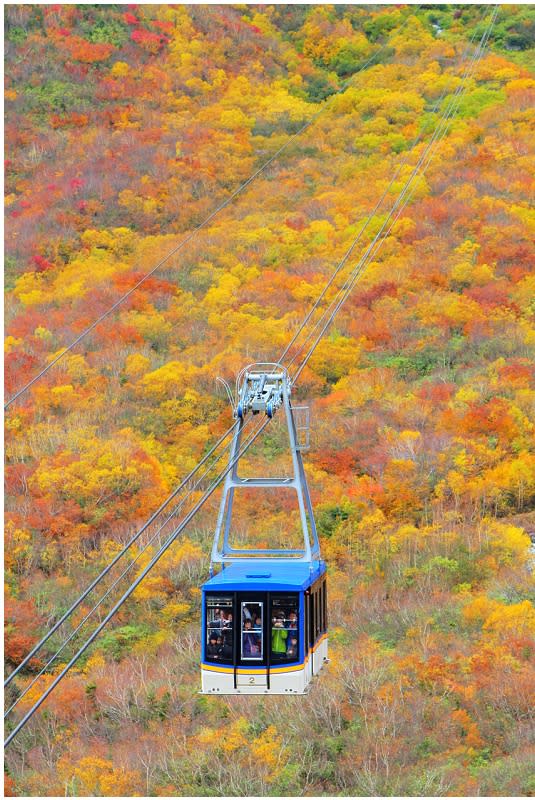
column 126, row 127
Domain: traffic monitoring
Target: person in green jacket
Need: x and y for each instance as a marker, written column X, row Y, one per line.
column 279, row 634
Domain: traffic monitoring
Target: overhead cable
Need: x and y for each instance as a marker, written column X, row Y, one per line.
column 119, row 555
column 200, row 503
column 119, row 578
column 400, row 202
column 362, row 230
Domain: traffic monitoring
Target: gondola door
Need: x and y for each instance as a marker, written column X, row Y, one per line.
column 252, row 643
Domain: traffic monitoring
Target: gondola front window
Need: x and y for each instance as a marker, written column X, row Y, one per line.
column 284, row 638
column 219, row 629
column 252, row 631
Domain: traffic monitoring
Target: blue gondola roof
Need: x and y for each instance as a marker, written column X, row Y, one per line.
column 267, row 576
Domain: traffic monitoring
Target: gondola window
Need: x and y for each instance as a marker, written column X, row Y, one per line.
column 252, row 631
column 284, row 639
column 219, row 628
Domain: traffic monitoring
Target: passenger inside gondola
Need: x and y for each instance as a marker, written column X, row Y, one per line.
column 216, row 621
column 251, row 642
column 212, row 648
column 226, row 633
column 292, row 651
column 219, row 633
column 279, row 634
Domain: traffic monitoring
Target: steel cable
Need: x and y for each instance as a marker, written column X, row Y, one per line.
column 378, row 235
column 120, row 577
column 420, row 168
column 119, row 555
column 135, row 583
column 355, row 241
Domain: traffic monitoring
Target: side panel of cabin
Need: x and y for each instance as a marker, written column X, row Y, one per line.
column 316, row 622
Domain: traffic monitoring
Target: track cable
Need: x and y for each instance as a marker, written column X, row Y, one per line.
column 117, row 580
column 119, row 555
column 374, row 247
column 133, row 586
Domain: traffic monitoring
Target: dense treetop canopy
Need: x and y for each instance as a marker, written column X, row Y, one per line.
column 126, row 126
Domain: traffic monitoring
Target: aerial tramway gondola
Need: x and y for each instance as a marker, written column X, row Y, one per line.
column 264, row 614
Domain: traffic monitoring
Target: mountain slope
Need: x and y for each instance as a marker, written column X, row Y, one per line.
column 126, row 126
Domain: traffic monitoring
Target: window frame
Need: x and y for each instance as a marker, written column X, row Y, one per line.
column 257, row 632
column 293, row 600
column 324, row 592
column 315, row 612
column 310, row 618
column 219, row 596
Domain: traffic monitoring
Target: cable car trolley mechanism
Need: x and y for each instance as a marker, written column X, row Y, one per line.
column 264, row 614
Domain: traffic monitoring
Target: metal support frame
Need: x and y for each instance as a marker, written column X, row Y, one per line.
column 259, row 390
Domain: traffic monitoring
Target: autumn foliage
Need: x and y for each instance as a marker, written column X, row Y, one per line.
column 126, row 126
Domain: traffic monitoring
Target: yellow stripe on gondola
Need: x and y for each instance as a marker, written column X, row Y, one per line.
column 217, row 669
column 287, row 669
column 260, row 671
column 313, row 649
column 320, row 640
